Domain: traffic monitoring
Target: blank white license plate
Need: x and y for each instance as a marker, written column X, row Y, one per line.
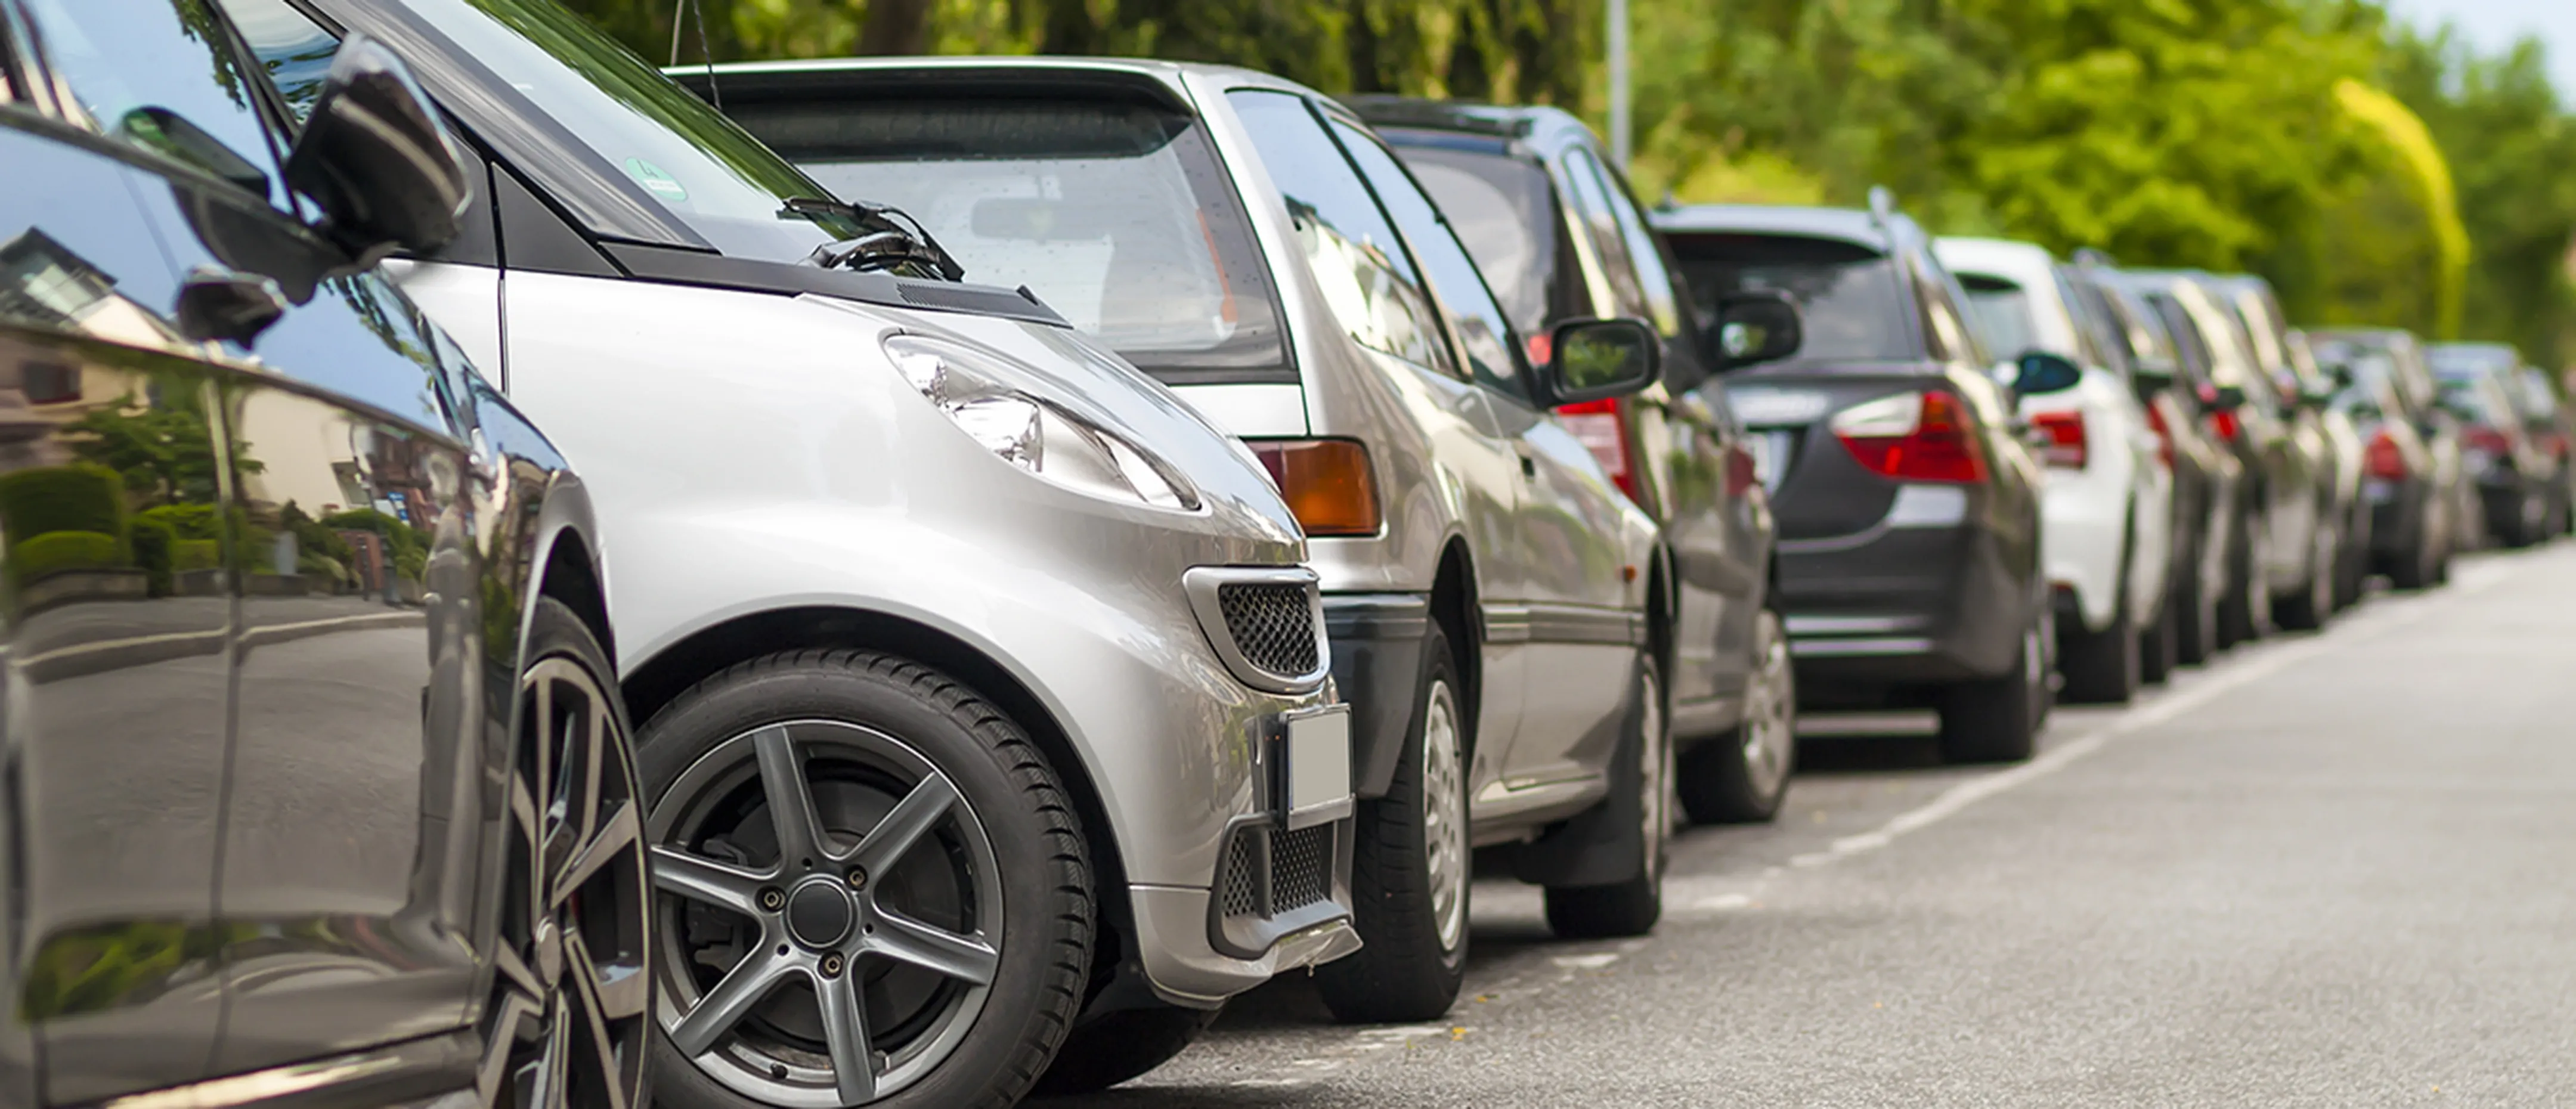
column 1770, row 451
column 1318, row 776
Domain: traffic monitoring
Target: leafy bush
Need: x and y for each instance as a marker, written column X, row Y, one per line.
column 196, row 554
column 187, row 521
column 77, row 498
column 152, row 540
column 57, row 551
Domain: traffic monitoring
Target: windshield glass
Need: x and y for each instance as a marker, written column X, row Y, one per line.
column 1116, row 214
column 1853, row 302
column 1503, row 210
column 716, row 180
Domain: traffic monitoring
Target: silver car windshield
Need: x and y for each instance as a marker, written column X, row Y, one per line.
column 1118, row 215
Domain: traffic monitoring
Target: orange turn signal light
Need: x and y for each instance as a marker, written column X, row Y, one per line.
column 1326, row 482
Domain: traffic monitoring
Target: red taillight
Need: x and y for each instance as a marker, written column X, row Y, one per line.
column 2480, row 437
column 1913, row 437
column 2066, row 443
column 1741, row 476
column 2225, row 425
column 2164, row 435
column 1603, row 427
column 2383, row 460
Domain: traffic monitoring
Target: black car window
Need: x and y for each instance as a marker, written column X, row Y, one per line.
column 1504, row 209
column 1600, row 227
column 1482, row 331
column 1853, row 301
column 1645, row 260
column 1360, row 267
column 163, row 76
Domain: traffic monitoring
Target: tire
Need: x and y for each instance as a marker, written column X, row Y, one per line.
column 2104, row 667
column 2246, row 608
column 2160, row 646
column 1997, row 719
column 2352, row 563
column 972, row 920
column 2306, row 610
column 1114, row 1047
column 1632, row 907
column 1410, row 868
column 554, row 937
column 1742, row 776
column 2195, row 619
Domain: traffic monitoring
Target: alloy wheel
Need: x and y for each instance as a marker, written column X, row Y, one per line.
column 829, row 902
column 1444, row 818
column 1770, row 713
column 566, row 1024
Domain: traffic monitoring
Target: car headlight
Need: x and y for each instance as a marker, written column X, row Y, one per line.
column 1033, row 433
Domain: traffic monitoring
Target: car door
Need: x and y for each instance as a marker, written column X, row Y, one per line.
column 346, row 896
column 119, row 622
column 1581, row 632
column 1684, row 442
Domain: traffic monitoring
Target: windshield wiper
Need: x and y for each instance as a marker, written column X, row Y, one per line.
column 887, row 244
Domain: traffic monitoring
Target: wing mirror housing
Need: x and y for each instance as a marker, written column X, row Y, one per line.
column 2227, row 398
column 2040, row 371
column 1599, row 359
column 1754, row 327
column 375, row 158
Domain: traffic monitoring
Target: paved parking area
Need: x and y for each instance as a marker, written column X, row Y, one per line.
column 2334, row 869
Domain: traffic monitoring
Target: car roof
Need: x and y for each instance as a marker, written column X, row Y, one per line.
column 2023, row 262
column 819, row 70
column 1512, row 129
column 1852, row 225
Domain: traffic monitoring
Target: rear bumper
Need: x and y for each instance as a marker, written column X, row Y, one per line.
column 1377, row 641
column 1903, row 606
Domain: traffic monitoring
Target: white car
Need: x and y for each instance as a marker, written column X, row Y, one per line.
column 2105, row 512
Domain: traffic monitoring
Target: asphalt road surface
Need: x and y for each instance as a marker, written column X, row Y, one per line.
column 2334, row 869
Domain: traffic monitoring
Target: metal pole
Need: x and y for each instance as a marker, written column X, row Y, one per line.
column 1619, row 121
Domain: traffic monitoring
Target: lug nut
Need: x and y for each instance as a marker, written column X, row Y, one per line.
column 858, row 879
column 772, row 900
column 832, row 966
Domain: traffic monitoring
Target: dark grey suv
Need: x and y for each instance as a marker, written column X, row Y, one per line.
column 315, row 781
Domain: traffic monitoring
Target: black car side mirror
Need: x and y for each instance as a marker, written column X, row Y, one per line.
column 2227, row 398
column 2041, row 372
column 1600, row 359
column 376, row 159
column 1754, row 327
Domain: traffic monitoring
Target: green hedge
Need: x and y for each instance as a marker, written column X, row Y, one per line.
column 56, row 551
column 196, row 554
column 187, row 521
column 153, row 541
column 81, row 497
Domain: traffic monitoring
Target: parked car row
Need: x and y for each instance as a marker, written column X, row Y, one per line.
column 1077, row 539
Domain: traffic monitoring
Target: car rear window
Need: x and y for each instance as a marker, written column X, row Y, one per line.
column 2003, row 312
column 1504, row 210
column 1853, row 301
column 1118, row 215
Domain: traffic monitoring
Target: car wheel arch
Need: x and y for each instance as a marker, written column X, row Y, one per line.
column 1455, row 605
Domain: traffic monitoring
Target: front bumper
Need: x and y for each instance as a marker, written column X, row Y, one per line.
column 1902, row 606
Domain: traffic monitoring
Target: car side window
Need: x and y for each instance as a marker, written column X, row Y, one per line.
column 1455, row 279
column 163, row 76
column 1600, row 227
column 1654, row 281
column 1367, row 280
column 295, row 51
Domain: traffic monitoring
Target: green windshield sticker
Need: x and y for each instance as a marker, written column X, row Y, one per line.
column 654, row 180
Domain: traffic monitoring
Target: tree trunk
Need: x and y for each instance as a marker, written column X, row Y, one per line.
column 896, row 27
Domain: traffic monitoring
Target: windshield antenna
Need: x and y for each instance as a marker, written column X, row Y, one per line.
column 706, row 49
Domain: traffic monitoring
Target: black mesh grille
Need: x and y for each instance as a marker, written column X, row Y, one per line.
column 1242, row 877
column 1301, row 868
column 1272, row 624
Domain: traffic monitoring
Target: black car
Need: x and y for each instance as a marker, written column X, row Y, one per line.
column 2517, row 475
column 1560, row 237
column 2411, row 458
column 2129, row 330
column 2553, row 425
column 315, row 781
column 1906, row 499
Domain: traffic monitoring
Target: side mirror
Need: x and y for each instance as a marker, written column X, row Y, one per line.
column 2040, row 372
column 1600, row 359
column 2227, row 398
column 376, row 159
column 1754, row 327
column 228, row 307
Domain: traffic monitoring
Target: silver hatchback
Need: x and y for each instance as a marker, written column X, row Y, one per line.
column 1497, row 608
